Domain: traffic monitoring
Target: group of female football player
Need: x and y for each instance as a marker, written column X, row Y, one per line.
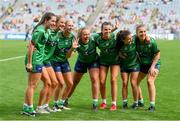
column 53, row 42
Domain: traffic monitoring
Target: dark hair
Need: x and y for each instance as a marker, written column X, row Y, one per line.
column 103, row 24
column 139, row 26
column 120, row 37
column 47, row 16
column 57, row 18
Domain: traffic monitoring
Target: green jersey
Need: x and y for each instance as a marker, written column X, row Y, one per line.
column 147, row 51
column 39, row 39
column 108, row 50
column 50, row 45
column 128, row 56
column 87, row 52
column 63, row 46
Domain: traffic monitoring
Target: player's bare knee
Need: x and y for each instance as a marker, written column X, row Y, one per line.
column 33, row 84
column 102, row 83
column 54, row 85
column 113, row 81
column 125, row 84
column 150, row 82
column 70, row 84
column 133, row 83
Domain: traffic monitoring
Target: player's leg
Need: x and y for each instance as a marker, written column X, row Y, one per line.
column 54, row 83
column 133, row 79
column 69, row 83
column 103, row 75
column 33, row 79
column 43, row 93
column 114, row 69
column 79, row 70
column 152, row 89
column 125, row 78
column 141, row 76
column 76, row 79
column 68, row 78
column 58, row 90
column 94, row 75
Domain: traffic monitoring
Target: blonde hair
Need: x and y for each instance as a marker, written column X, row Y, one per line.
column 80, row 32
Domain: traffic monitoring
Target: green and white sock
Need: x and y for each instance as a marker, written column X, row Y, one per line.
column 152, row 103
column 56, row 101
column 31, row 106
column 125, row 101
column 141, row 101
column 136, row 102
column 61, row 102
column 95, row 101
column 25, row 105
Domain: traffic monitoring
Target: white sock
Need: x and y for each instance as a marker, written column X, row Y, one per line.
column 39, row 107
column 62, row 100
column 95, row 101
column 104, row 101
column 152, row 103
column 56, row 101
column 25, row 104
column 113, row 102
column 136, row 102
column 125, row 100
column 31, row 106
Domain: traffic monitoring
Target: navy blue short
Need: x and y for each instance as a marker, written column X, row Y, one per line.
column 82, row 67
column 129, row 70
column 108, row 65
column 145, row 68
column 36, row 68
column 61, row 67
column 47, row 64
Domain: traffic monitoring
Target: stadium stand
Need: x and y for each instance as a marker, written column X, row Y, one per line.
column 160, row 16
column 28, row 10
column 6, row 8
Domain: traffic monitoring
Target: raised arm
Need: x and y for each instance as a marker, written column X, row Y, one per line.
column 74, row 46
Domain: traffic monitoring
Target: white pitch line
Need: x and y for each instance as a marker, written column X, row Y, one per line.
column 13, row 58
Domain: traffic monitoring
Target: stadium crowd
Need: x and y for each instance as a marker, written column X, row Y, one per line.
column 26, row 11
column 161, row 15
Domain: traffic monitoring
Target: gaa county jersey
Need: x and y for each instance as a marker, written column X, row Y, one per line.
column 50, row 45
column 63, row 46
column 108, row 50
column 87, row 52
column 39, row 39
column 128, row 56
column 146, row 51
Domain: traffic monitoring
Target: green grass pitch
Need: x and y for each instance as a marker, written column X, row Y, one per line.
column 13, row 82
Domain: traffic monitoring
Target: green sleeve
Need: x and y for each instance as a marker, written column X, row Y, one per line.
column 95, row 37
column 37, row 36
